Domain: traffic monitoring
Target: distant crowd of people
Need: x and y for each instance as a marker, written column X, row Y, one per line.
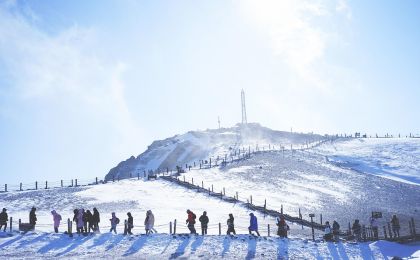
column 87, row 222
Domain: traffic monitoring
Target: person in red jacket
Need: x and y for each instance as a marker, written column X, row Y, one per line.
column 191, row 221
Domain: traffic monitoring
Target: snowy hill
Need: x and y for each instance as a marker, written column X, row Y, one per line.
column 168, row 202
column 199, row 145
column 393, row 158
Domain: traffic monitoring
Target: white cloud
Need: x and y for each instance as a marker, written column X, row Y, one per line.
column 64, row 68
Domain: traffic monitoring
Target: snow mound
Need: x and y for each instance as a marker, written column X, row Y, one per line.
column 199, row 145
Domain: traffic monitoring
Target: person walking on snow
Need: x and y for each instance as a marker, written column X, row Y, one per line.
column 96, row 219
column 357, row 230
column 114, row 222
column 191, row 221
column 149, row 222
column 336, row 230
column 253, row 224
column 374, row 226
column 231, row 225
column 204, row 220
column 327, row 232
column 395, row 222
column 32, row 217
column 89, row 221
column 80, row 221
column 3, row 219
column 130, row 224
column 283, row 227
column 56, row 219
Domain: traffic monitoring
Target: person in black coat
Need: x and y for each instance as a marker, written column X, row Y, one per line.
column 231, row 225
column 96, row 219
column 130, row 223
column 3, row 219
column 89, row 221
column 32, row 217
column 204, row 220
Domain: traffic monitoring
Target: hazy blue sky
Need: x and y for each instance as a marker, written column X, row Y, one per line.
column 86, row 84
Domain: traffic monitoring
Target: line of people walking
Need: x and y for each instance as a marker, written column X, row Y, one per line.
column 87, row 222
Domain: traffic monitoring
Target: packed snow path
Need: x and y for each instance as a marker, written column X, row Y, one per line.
column 161, row 246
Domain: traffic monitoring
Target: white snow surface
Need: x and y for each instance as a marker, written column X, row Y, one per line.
column 393, row 158
column 162, row 246
column 194, row 146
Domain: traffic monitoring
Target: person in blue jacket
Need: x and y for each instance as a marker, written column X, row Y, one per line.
column 253, row 224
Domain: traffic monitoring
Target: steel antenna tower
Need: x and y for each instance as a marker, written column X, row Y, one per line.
column 244, row 121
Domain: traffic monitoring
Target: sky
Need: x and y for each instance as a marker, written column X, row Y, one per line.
column 86, row 84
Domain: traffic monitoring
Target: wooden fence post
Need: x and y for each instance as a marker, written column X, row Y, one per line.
column 71, row 182
column 5, row 187
column 220, row 229
column 170, row 228
column 268, row 229
column 251, row 199
column 212, row 188
column 36, row 185
column 46, row 184
column 20, row 222
column 300, row 214
column 96, row 180
column 175, row 226
column 321, row 218
column 75, row 182
column 224, row 192
column 192, row 181
column 202, row 184
column 20, row 187
column 237, row 196
column 113, row 178
column 11, row 224
column 281, row 209
column 61, row 183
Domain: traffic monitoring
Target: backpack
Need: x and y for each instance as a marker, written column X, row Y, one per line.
column 117, row 221
column 194, row 216
column 59, row 216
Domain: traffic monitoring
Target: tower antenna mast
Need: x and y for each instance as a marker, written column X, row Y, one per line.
column 244, row 121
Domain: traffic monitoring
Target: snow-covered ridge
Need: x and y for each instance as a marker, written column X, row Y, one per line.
column 197, row 145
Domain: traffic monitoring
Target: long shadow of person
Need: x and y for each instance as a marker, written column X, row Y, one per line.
column 56, row 244
column 196, row 244
column 34, row 240
column 283, row 249
column 342, row 251
column 226, row 245
column 19, row 237
column 136, row 246
column 252, row 247
column 180, row 249
column 75, row 243
column 117, row 239
column 102, row 239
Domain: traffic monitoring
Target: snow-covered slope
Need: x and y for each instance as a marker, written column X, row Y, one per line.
column 394, row 158
column 109, row 246
column 197, row 145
